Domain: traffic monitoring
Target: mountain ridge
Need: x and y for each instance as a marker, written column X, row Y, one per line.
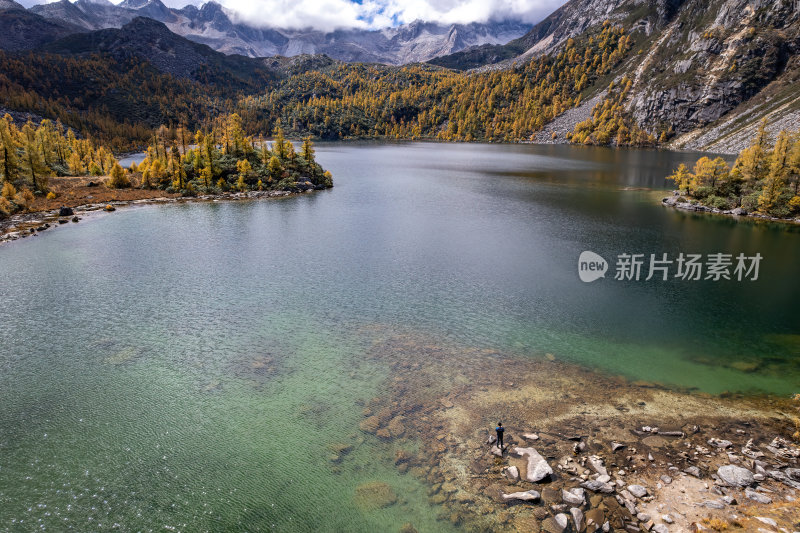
column 690, row 73
column 212, row 24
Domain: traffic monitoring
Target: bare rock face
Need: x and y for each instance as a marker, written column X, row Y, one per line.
column 703, row 62
column 699, row 69
column 537, row 468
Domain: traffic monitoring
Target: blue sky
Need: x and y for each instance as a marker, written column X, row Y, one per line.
column 330, row 14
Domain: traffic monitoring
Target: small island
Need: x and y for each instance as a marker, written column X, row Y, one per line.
column 764, row 181
column 48, row 173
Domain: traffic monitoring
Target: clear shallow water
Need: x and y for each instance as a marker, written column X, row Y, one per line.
column 190, row 366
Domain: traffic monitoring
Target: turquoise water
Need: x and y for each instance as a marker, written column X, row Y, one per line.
column 192, row 366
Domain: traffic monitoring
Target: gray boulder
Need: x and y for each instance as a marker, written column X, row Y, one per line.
column 597, row 486
column 735, row 476
column 757, row 496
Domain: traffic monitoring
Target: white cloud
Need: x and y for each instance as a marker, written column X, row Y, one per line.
column 319, row 14
column 332, row 14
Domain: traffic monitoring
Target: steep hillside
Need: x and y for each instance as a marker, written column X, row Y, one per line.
column 23, row 30
column 148, row 40
column 697, row 62
column 119, row 84
column 570, row 20
column 713, row 58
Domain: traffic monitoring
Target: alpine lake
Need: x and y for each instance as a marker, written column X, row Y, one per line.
column 272, row 365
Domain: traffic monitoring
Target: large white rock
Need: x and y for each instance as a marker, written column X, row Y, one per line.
column 537, row 468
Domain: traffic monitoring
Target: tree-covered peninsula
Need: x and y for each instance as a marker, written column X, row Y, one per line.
column 764, row 180
column 226, row 159
column 43, row 167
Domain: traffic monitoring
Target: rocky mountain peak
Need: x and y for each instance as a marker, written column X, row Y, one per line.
column 10, row 4
column 211, row 24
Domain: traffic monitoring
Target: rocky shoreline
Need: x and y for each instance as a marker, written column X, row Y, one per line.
column 578, row 459
column 680, row 202
column 29, row 224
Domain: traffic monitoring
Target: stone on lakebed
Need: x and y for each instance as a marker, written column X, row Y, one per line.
column 537, row 468
column 374, row 495
column 735, row 475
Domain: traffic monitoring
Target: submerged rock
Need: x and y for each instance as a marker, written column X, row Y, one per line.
column 594, row 519
column 571, row 497
column 123, row 356
column 512, row 473
column 537, row 468
column 374, row 495
column 370, row 424
column 597, row 464
column 555, row 524
column 396, row 426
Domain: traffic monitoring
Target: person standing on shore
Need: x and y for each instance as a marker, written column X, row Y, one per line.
column 500, row 429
